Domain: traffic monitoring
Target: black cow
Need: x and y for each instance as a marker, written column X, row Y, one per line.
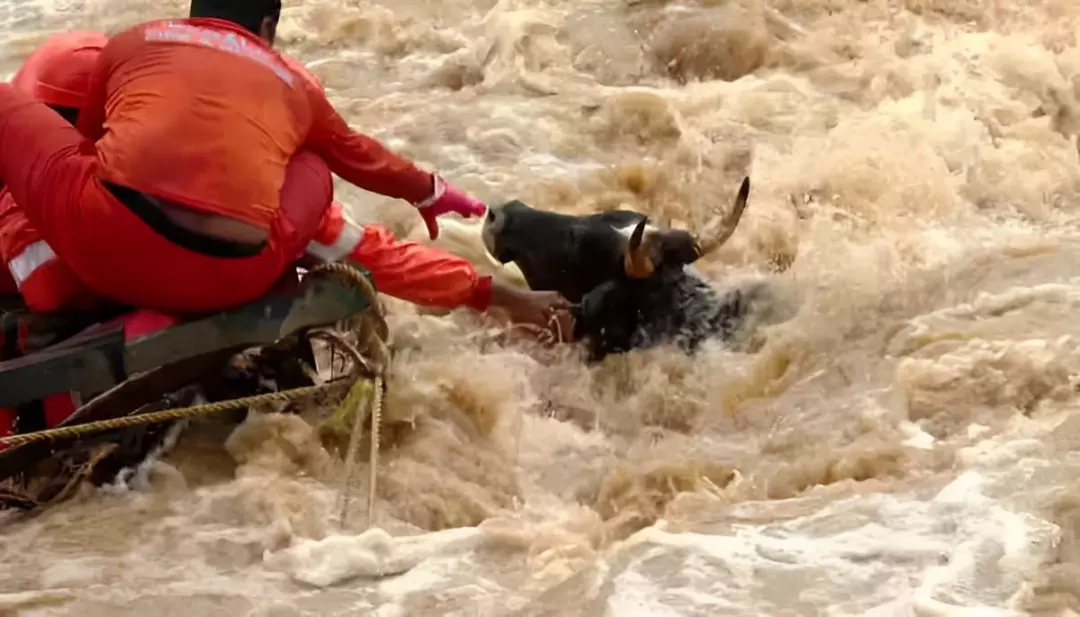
column 630, row 282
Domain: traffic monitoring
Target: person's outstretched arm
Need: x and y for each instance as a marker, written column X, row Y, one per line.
column 425, row 275
column 368, row 164
column 419, row 274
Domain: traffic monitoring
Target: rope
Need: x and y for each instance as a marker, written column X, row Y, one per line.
column 352, row 399
column 354, row 276
column 376, row 424
column 168, row 415
column 350, row 455
column 376, row 336
column 376, row 333
column 553, row 334
column 377, row 347
column 377, row 393
column 345, row 493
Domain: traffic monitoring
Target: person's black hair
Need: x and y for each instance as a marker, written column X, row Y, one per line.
column 248, row 14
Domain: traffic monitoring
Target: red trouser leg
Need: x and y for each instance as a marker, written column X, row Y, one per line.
column 305, row 199
column 108, row 247
column 48, row 284
column 45, row 282
column 406, row 270
column 8, row 286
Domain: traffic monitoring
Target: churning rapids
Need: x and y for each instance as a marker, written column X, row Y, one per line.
column 907, row 444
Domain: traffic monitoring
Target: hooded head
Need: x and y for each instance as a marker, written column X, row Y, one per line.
column 259, row 17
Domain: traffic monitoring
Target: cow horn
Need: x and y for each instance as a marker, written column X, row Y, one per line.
column 637, row 262
column 718, row 230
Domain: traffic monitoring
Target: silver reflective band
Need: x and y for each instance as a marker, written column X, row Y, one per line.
column 33, row 257
column 346, row 242
column 437, row 190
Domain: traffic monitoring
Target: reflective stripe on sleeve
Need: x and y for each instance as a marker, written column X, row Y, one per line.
column 27, row 262
column 346, row 242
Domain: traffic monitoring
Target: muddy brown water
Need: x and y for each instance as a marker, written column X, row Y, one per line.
column 906, row 444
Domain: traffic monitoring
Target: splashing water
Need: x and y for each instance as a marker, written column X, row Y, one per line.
column 906, row 444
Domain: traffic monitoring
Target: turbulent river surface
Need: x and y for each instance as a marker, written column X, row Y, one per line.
column 906, row 443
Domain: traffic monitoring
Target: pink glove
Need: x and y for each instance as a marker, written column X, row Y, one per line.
column 447, row 198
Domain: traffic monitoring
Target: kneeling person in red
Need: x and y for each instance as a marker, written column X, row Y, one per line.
column 57, row 74
column 175, row 202
column 139, row 232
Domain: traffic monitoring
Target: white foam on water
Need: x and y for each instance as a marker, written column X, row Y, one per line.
column 372, row 554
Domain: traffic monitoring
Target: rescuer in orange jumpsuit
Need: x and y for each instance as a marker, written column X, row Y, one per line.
column 198, row 183
column 57, row 74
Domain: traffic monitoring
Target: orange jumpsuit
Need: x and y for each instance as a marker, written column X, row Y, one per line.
column 58, row 74
column 33, row 269
column 405, row 270
column 159, row 122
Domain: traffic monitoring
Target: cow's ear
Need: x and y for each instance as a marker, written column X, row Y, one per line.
column 638, row 261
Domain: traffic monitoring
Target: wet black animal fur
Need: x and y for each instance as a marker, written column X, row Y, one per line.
column 582, row 258
column 674, row 306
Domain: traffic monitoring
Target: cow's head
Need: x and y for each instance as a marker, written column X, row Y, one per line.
column 574, row 254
